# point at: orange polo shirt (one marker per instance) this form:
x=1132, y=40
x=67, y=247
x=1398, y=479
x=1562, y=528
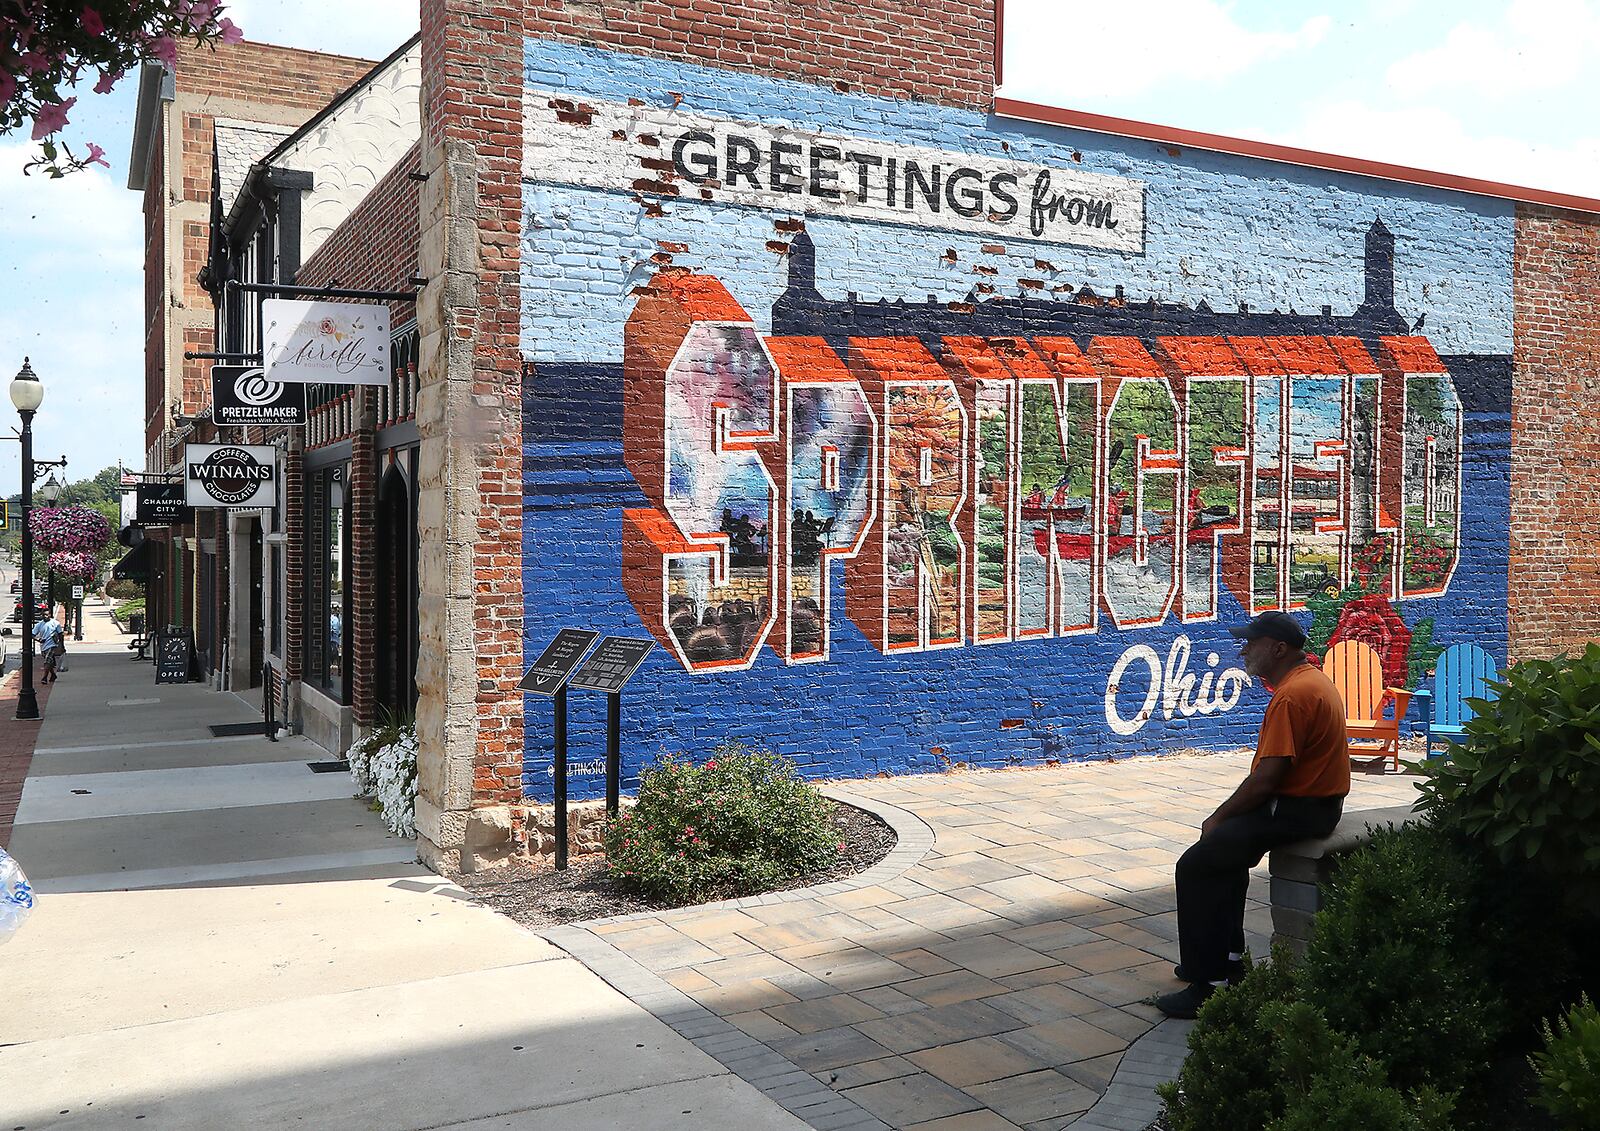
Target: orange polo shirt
x=1305, y=723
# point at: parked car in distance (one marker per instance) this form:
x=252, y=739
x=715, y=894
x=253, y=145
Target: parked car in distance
x=41, y=610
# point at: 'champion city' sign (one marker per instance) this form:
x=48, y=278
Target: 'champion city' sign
x=231, y=475
x=697, y=156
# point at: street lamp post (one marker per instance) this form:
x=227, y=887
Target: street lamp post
x=27, y=393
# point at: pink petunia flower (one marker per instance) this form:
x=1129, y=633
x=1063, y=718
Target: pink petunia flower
x=165, y=49
x=97, y=156
x=92, y=23
x=51, y=117
x=231, y=32
x=8, y=86
x=108, y=79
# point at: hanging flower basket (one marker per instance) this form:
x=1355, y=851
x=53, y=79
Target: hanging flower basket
x=69, y=528
x=74, y=565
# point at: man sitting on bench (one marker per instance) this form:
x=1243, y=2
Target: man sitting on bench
x=1295, y=790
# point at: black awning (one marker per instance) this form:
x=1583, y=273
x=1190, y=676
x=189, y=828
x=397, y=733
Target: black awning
x=135, y=564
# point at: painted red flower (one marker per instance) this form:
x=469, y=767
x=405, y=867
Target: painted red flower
x=1372, y=620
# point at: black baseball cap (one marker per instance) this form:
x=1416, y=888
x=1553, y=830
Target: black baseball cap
x=1274, y=623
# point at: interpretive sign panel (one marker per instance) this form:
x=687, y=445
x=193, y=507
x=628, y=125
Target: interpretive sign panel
x=550, y=671
x=612, y=664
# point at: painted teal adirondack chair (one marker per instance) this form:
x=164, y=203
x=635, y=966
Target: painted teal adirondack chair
x=1463, y=672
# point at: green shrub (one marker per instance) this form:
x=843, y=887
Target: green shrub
x=124, y=590
x=1532, y=933
x=1330, y=1086
x=125, y=609
x=741, y=823
x=1395, y=962
x=1526, y=783
x=1227, y=1079
x=1569, y=1067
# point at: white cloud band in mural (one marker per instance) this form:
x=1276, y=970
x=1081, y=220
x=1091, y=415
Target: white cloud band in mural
x=697, y=156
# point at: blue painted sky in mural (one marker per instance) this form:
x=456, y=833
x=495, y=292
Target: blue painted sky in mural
x=1301, y=247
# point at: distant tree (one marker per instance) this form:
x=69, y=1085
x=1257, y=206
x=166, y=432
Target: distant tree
x=47, y=46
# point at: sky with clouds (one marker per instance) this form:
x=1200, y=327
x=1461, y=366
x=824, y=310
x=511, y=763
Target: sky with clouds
x=1501, y=89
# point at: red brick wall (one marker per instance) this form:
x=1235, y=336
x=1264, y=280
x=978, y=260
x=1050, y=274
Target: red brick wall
x=931, y=50
x=155, y=327
x=1555, y=449
x=263, y=72
x=374, y=249
x=472, y=104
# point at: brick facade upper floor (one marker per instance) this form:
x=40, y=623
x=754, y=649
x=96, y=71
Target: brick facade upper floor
x=929, y=50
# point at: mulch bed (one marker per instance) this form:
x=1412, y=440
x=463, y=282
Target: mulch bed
x=549, y=898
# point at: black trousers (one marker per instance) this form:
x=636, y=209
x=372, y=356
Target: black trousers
x=1213, y=877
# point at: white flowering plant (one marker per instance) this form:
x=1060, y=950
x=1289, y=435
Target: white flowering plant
x=383, y=765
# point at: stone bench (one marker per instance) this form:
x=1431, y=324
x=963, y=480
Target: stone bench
x=1299, y=870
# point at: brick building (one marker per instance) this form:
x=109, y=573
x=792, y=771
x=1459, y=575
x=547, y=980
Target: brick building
x=197, y=130
x=918, y=426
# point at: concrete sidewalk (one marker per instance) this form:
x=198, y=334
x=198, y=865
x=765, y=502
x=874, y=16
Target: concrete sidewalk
x=225, y=938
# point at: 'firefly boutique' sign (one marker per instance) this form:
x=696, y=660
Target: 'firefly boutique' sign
x=697, y=156
x=333, y=343
x=231, y=475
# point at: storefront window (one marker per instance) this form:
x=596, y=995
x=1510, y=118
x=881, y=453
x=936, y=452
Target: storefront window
x=327, y=582
x=275, y=576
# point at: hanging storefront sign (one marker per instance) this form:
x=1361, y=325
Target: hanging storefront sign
x=231, y=475
x=333, y=343
x=161, y=504
x=242, y=394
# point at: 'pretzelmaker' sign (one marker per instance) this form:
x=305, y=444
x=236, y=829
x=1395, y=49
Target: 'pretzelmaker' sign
x=241, y=394
x=332, y=343
x=231, y=475
x=693, y=155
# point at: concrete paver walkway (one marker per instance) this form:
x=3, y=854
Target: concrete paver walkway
x=995, y=983
x=224, y=938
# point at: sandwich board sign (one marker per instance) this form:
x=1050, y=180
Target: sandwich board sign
x=174, y=656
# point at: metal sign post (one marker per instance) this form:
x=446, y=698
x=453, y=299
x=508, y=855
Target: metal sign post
x=610, y=666
x=559, y=785
x=548, y=676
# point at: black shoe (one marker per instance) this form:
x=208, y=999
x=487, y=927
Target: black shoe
x=1185, y=1004
x=1233, y=972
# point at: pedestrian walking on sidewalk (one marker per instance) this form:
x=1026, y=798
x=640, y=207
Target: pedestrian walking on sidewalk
x=1295, y=790
x=49, y=634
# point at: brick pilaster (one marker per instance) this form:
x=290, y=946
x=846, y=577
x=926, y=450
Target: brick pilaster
x=294, y=565
x=469, y=715
x=361, y=513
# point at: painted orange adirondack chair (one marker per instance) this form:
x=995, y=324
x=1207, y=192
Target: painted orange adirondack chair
x=1371, y=727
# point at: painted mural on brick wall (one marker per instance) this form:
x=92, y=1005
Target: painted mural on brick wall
x=914, y=444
